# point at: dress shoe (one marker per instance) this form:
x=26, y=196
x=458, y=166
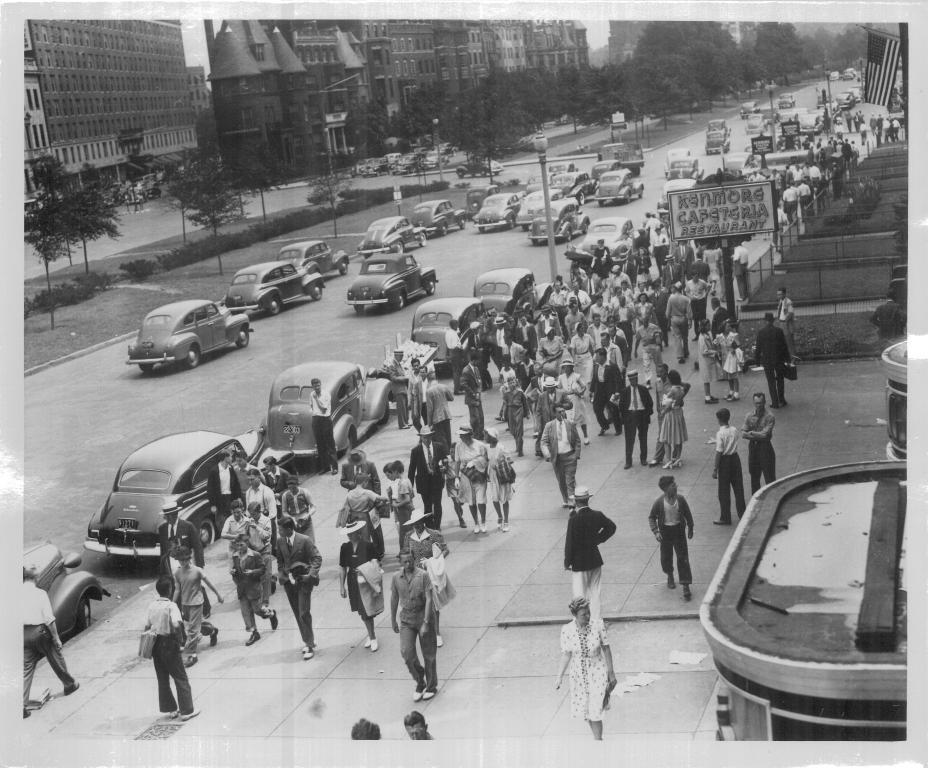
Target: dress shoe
x=190, y=661
x=783, y=402
x=476, y=528
x=273, y=618
x=417, y=695
x=308, y=654
x=374, y=645
x=334, y=472
x=483, y=527
x=26, y=713
x=775, y=406
x=687, y=595
x=367, y=642
x=586, y=440
x=601, y=432
x=190, y=715
x=461, y=523
x=214, y=637
x=710, y=400
x=627, y=466
x=428, y=695
x=721, y=522
x=255, y=637
x=69, y=689
x=671, y=584
x=644, y=463
x=438, y=641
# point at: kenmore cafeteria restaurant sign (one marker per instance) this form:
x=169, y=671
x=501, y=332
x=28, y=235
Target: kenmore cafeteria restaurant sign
x=732, y=209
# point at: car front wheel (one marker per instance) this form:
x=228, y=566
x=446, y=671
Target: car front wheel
x=206, y=533
x=242, y=339
x=442, y=230
x=84, y=616
x=192, y=358
x=428, y=286
x=581, y=198
x=343, y=267
x=399, y=301
x=273, y=305
x=315, y=292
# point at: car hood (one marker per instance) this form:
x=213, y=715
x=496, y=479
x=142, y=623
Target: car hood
x=681, y=173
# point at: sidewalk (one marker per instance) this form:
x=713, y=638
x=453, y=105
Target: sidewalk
x=500, y=652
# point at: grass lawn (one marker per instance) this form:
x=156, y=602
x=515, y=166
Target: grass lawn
x=817, y=335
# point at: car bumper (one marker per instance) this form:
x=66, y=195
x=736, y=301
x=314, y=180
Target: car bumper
x=609, y=198
x=243, y=308
x=365, y=302
x=371, y=251
x=491, y=224
x=151, y=360
x=93, y=545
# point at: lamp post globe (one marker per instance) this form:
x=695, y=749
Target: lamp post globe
x=540, y=142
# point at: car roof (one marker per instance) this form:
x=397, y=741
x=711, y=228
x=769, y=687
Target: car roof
x=265, y=266
x=397, y=260
x=327, y=371
x=615, y=174
x=618, y=221
x=680, y=152
x=430, y=203
x=502, y=197
x=175, y=452
x=503, y=275
x=385, y=222
x=303, y=244
x=179, y=308
x=453, y=305
x=561, y=202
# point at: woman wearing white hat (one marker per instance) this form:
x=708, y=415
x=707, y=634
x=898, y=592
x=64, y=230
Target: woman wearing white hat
x=470, y=462
x=422, y=543
x=499, y=488
x=570, y=382
x=354, y=554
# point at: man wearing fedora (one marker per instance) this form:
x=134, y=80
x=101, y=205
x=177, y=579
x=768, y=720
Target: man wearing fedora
x=560, y=444
x=635, y=407
x=471, y=384
x=358, y=471
x=544, y=408
x=425, y=472
x=173, y=534
x=586, y=530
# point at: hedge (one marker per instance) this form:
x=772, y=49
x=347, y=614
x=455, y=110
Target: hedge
x=74, y=291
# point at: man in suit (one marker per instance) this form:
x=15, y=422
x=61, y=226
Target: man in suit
x=298, y=564
x=222, y=486
x=399, y=386
x=471, y=384
x=605, y=382
x=719, y=317
x=275, y=478
x=560, y=444
x=174, y=533
x=635, y=409
x=425, y=473
x=358, y=471
x=772, y=352
x=437, y=412
x=586, y=530
x=415, y=393
x=684, y=254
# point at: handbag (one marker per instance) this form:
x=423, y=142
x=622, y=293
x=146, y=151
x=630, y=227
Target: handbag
x=473, y=474
x=790, y=371
x=147, y=643
x=505, y=472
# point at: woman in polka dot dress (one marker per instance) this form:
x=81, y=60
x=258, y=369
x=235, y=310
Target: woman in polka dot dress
x=585, y=651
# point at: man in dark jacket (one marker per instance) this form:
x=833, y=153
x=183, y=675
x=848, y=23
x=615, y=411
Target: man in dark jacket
x=173, y=534
x=298, y=564
x=605, y=382
x=425, y=473
x=359, y=471
x=719, y=316
x=222, y=486
x=635, y=406
x=586, y=530
x=772, y=352
x=669, y=514
x=471, y=384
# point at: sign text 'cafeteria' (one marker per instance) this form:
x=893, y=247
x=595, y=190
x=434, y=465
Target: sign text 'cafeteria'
x=732, y=209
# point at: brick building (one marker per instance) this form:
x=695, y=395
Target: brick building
x=197, y=90
x=506, y=45
x=553, y=45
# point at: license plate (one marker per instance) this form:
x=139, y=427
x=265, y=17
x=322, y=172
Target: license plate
x=291, y=429
x=128, y=524
x=148, y=345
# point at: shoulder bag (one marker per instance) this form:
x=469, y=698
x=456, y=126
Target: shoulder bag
x=147, y=643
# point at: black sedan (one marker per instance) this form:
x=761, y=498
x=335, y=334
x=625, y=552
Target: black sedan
x=436, y=217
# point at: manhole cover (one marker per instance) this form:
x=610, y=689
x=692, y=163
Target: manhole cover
x=159, y=731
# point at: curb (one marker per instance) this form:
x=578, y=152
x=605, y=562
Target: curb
x=541, y=621
x=79, y=353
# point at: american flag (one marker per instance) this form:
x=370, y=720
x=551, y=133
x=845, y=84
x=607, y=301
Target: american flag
x=882, y=62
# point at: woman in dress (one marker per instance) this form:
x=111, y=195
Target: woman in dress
x=570, y=383
x=732, y=358
x=550, y=352
x=355, y=553
x=708, y=356
x=586, y=654
x=360, y=504
x=581, y=351
x=422, y=542
x=673, y=427
x=470, y=466
x=499, y=491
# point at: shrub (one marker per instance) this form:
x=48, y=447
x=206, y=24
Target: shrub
x=139, y=269
x=97, y=281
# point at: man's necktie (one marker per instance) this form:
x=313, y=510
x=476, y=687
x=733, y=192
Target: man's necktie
x=635, y=398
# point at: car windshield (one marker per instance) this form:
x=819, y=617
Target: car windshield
x=434, y=318
x=682, y=164
x=501, y=289
x=495, y=202
x=716, y=125
x=243, y=279
x=145, y=480
x=602, y=228
x=377, y=268
x=612, y=177
x=157, y=321
x=563, y=179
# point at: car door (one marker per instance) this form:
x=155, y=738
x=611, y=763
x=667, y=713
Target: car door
x=206, y=325
x=412, y=276
x=322, y=256
x=290, y=283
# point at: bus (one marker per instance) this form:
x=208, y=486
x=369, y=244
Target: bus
x=806, y=614
x=630, y=155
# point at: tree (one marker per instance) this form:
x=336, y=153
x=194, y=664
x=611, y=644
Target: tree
x=89, y=215
x=257, y=169
x=44, y=223
x=204, y=194
x=778, y=51
x=327, y=188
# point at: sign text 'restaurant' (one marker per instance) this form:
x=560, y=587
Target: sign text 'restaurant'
x=728, y=210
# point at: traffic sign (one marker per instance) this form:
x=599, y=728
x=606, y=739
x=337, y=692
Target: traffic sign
x=397, y=193
x=618, y=120
x=761, y=145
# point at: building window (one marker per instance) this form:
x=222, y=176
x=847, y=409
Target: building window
x=257, y=51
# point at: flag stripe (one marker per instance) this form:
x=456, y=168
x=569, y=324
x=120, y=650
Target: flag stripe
x=882, y=63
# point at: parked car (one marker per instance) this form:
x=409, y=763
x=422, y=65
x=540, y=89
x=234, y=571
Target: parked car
x=184, y=331
x=478, y=167
x=567, y=218
x=576, y=184
x=674, y=185
x=810, y=123
x=436, y=217
x=755, y=125
x=612, y=229
x=684, y=168
x=498, y=211
x=367, y=169
x=390, y=279
x=69, y=590
x=736, y=162
x=533, y=204
x=849, y=74
x=475, y=197
x=603, y=166
x=393, y=233
x=618, y=187
x=834, y=76
x=749, y=108
x=174, y=469
x=408, y=164
x=508, y=289
x=719, y=125
x=681, y=153
x=717, y=143
x=846, y=100
x=559, y=167
x=786, y=101
x=317, y=253
x=431, y=319
x=359, y=404
x=271, y=286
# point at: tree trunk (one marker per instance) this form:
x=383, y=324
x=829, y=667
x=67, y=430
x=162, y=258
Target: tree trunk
x=334, y=221
x=86, y=263
x=219, y=257
x=70, y=262
x=263, y=212
x=183, y=223
x=51, y=299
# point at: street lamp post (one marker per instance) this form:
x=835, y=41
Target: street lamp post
x=441, y=176
x=540, y=143
x=773, y=116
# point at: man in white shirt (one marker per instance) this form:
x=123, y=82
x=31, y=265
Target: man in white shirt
x=739, y=260
x=560, y=444
x=260, y=530
x=321, y=403
x=455, y=354
x=785, y=318
x=40, y=637
x=728, y=468
x=257, y=492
